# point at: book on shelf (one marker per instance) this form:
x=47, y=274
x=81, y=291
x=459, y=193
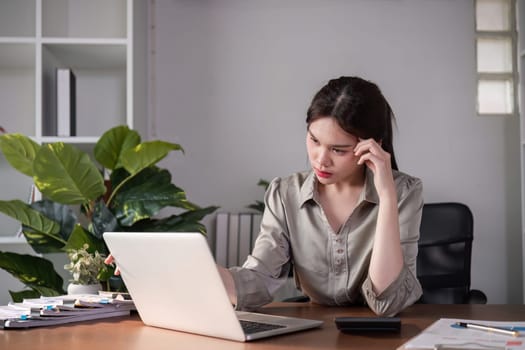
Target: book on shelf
x=52, y=311
x=65, y=102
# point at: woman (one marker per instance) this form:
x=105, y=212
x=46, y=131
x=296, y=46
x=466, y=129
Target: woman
x=348, y=227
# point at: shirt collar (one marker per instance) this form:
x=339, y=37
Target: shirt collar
x=309, y=189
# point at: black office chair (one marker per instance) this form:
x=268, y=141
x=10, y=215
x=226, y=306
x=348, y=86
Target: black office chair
x=445, y=250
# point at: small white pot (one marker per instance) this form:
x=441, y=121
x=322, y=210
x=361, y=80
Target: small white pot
x=75, y=289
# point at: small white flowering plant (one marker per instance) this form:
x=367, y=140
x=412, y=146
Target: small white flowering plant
x=84, y=266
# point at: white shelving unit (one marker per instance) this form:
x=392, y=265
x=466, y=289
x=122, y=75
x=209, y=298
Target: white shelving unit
x=520, y=10
x=102, y=41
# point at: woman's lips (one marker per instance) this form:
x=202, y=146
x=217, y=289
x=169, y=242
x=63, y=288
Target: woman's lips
x=322, y=174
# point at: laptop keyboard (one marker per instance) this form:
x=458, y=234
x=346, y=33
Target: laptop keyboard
x=251, y=327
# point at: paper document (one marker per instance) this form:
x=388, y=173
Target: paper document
x=51, y=311
x=445, y=334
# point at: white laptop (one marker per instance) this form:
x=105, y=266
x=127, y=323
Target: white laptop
x=174, y=282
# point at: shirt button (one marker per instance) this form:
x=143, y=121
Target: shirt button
x=340, y=251
x=338, y=261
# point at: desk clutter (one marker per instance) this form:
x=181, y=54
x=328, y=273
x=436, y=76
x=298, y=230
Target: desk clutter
x=449, y=333
x=51, y=311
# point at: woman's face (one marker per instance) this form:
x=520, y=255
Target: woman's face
x=331, y=151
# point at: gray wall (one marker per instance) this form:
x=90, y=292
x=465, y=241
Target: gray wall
x=232, y=80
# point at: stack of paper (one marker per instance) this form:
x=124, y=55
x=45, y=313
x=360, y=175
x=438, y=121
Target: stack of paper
x=446, y=334
x=49, y=311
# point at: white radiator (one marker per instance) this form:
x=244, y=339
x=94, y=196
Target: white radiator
x=235, y=235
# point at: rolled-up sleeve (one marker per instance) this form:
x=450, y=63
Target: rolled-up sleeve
x=405, y=290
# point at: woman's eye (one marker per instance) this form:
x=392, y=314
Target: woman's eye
x=339, y=151
x=314, y=140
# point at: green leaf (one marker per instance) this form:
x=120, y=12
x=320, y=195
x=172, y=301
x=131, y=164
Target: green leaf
x=198, y=214
x=44, y=241
x=67, y=175
x=103, y=220
x=20, y=151
x=258, y=205
x=35, y=272
x=80, y=236
x=117, y=176
x=62, y=214
x=146, y=154
x=105, y=273
x=263, y=183
x=112, y=143
x=19, y=297
x=35, y=292
x=145, y=195
x=173, y=223
x=185, y=222
x=29, y=216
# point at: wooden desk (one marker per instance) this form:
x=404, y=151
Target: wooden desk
x=130, y=333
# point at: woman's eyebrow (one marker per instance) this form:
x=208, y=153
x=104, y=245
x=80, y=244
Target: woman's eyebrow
x=335, y=145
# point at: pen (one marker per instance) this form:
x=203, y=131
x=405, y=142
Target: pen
x=487, y=328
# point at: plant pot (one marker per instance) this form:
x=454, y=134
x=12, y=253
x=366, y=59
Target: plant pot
x=75, y=289
x=116, y=284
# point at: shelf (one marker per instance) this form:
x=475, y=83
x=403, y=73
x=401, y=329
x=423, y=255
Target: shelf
x=97, y=39
x=87, y=54
x=17, y=40
x=12, y=240
x=17, y=87
x=16, y=56
x=75, y=18
x=86, y=140
x=100, y=72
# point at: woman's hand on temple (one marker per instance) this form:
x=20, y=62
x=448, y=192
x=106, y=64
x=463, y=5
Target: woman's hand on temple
x=376, y=159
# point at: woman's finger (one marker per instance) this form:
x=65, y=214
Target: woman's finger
x=368, y=145
x=110, y=260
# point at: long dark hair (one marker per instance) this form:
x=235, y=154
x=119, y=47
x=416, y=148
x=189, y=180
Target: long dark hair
x=359, y=108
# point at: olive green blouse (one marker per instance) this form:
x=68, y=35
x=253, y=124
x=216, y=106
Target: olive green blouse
x=329, y=267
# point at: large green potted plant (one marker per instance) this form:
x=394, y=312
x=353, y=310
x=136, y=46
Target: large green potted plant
x=78, y=205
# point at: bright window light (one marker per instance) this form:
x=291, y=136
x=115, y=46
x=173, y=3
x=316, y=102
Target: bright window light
x=496, y=54
x=495, y=97
x=493, y=15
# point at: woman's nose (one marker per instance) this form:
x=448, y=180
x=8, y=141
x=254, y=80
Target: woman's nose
x=322, y=158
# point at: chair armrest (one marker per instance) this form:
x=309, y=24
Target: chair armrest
x=476, y=296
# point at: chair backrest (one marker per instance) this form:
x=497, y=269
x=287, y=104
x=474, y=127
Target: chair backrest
x=445, y=250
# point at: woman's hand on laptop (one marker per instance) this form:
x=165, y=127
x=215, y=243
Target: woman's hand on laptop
x=109, y=261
